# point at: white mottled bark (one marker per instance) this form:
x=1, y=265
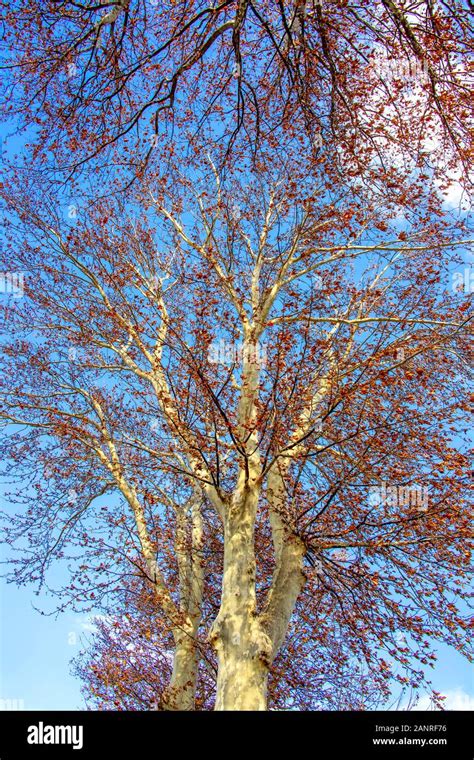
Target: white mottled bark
x=180, y=693
x=242, y=680
x=243, y=649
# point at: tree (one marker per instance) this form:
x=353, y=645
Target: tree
x=306, y=375
x=130, y=75
x=334, y=130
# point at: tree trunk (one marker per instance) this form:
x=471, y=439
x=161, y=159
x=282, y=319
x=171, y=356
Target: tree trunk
x=180, y=693
x=242, y=678
x=243, y=649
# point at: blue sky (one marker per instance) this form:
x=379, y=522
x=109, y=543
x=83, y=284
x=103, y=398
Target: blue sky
x=36, y=652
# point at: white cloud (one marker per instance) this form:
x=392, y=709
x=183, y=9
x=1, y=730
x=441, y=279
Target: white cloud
x=456, y=699
x=89, y=623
